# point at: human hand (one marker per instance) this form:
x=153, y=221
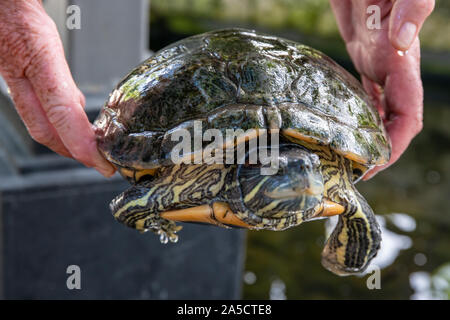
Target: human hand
x=391, y=78
x=33, y=65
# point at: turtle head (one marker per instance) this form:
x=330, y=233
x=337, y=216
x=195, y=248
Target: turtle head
x=298, y=174
x=295, y=187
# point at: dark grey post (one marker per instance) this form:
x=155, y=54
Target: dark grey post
x=112, y=39
x=54, y=212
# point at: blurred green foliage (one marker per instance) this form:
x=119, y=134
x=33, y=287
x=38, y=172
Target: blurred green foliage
x=310, y=17
x=313, y=16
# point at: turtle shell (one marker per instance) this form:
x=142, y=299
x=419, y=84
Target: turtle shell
x=238, y=79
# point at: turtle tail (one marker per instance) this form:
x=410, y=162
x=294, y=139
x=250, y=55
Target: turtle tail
x=355, y=240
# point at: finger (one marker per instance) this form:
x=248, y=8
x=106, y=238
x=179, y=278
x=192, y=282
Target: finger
x=61, y=101
x=375, y=93
x=405, y=118
x=82, y=98
x=343, y=12
x=407, y=18
x=401, y=130
x=31, y=112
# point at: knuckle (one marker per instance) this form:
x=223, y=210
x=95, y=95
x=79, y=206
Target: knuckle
x=59, y=116
x=17, y=47
x=21, y=60
x=12, y=51
x=41, y=136
x=425, y=6
x=23, y=45
x=33, y=61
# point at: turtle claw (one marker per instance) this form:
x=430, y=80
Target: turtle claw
x=164, y=237
x=166, y=230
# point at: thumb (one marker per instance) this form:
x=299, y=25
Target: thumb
x=406, y=20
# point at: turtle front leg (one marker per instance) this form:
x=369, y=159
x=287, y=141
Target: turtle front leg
x=175, y=189
x=355, y=240
x=139, y=207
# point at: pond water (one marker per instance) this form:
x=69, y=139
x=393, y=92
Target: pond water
x=411, y=198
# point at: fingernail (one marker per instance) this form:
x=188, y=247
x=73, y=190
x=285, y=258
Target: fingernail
x=406, y=35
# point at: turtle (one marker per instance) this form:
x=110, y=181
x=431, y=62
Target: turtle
x=326, y=136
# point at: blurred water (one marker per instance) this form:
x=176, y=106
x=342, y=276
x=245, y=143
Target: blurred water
x=414, y=257
x=411, y=198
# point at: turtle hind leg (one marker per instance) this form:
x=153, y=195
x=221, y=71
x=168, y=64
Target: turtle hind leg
x=355, y=240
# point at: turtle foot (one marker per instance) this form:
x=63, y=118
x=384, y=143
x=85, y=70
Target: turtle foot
x=166, y=230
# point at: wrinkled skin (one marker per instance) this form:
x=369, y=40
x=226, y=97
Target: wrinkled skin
x=33, y=64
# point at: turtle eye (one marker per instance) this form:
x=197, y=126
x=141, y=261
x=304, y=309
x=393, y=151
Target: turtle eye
x=304, y=165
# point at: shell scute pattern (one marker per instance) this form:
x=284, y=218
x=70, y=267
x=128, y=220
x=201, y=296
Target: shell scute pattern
x=207, y=77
